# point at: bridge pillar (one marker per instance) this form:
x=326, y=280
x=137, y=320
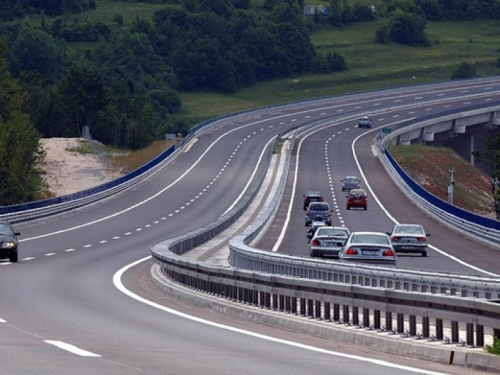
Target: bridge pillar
x=495, y=119
x=458, y=129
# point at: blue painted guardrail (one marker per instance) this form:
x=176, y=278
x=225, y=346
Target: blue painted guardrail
x=88, y=192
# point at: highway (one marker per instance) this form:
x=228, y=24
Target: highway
x=64, y=309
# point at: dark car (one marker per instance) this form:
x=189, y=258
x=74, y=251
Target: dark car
x=8, y=242
x=357, y=198
x=364, y=122
x=312, y=196
x=318, y=209
x=409, y=238
x=349, y=183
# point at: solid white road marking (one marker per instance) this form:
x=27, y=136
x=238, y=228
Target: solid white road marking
x=119, y=285
x=71, y=348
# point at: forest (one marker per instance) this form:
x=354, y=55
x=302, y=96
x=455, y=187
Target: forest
x=121, y=80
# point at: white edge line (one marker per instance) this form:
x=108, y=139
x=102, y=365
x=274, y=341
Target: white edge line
x=119, y=285
x=442, y=252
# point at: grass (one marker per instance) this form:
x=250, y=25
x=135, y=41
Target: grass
x=82, y=148
x=430, y=167
x=129, y=161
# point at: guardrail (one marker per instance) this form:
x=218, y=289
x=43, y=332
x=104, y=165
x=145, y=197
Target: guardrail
x=477, y=226
x=379, y=309
x=246, y=257
x=34, y=210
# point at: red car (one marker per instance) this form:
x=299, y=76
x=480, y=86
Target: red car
x=357, y=198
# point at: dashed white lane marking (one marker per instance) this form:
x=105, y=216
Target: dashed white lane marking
x=71, y=348
x=28, y=258
x=49, y=254
x=2, y=321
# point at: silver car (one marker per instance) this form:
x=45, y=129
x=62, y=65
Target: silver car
x=364, y=122
x=350, y=182
x=409, y=238
x=328, y=241
x=368, y=247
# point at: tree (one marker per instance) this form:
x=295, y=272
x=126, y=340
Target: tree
x=408, y=28
x=490, y=157
x=84, y=94
x=35, y=49
x=463, y=71
x=20, y=151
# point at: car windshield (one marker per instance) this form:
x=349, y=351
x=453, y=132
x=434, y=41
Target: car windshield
x=5, y=229
x=332, y=232
x=357, y=195
x=409, y=230
x=318, y=207
x=370, y=239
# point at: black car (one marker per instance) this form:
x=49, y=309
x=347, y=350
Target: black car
x=8, y=242
x=312, y=196
x=318, y=210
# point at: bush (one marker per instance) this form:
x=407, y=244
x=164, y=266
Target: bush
x=495, y=348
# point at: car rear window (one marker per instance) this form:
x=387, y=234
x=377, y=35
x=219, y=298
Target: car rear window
x=332, y=232
x=319, y=207
x=409, y=230
x=370, y=239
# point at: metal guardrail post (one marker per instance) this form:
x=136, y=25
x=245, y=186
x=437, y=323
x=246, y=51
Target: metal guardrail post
x=469, y=334
x=328, y=312
x=366, y=317
x=413, y=325
x=400, y=323
x=376, y=319
x=439, y=329
x=425, y=327
x=388, y=320
x=302, y=307
x=355, y=315
x=479, y=335
x=294, y=305
x=454, y=332
x=317, y=309
x=345, y=314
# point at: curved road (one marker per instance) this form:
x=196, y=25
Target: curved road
x=63, y=309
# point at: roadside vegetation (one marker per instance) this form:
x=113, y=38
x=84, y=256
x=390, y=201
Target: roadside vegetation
x=129, y=71
x=430, y=167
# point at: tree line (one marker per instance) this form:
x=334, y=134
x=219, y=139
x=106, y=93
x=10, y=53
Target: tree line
x=122, y=80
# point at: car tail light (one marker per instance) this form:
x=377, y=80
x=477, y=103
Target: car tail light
x=388, y=253
x=315, y=243
x=421, y=239
x=321, y=199
x=395, y=238
x=308, y=212
x=351, y=252
x=329, y=212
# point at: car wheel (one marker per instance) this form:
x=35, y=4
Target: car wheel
x=13, y=257
x=365, y=208
x=348, y=207
x=424, y=254
x=307, y=224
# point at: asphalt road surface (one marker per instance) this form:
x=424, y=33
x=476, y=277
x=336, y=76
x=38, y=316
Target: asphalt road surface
x=66, y=309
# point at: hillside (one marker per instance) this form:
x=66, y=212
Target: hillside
x=430, y=167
